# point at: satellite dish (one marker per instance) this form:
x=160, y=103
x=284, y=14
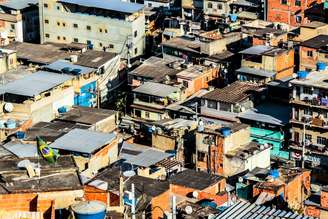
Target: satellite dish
x=188, y=209
x=129, y=173
x=8, y=107
x=195, y=194
x=23, y=164
x=240, y=179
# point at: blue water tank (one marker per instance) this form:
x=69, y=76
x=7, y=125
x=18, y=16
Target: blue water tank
x=11, y=124
x=302, y=74
x=225, y=131
x=274, y=173
x=62, y=109
x=20, y=135
x=89, y=210
x=321, y=66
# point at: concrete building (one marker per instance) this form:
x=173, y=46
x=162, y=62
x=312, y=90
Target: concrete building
x=19, y=21
x=217, y=9
x=100, y=120
x=151, y=99
x=8, y=60
x=194, y=47
x=92, y=150
x=102, y=25
x=314, y=51
x=63, y=188
x=269, y=125
x=228, y=150
x=158, y=3
x=38, y=96
x=317, y=204
x=197, y=77
x=311, y=30
x=262, y=64
x=227, y=103
x=309, y=120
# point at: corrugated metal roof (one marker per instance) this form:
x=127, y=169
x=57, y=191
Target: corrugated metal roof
x=113, y=5
x=140, y=155
x=257, y=50
x=21, y=150
x=246, y=210
x=156, y=89
x=35, y=83
x=68, y=68
x=272, y=113
x=255, y=71
x=18, y=4
x=83, y=141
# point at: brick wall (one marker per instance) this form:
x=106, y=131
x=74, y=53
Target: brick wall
x=324, y=199
x=285, y=13
x=27, y=202
x=163, y=201
x=312, y=211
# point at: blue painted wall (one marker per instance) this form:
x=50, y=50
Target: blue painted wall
x=87, y=94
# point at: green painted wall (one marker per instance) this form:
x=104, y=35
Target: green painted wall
x=272, y=137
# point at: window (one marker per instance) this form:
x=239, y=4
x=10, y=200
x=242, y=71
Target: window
x=64, y=24
x=212, y=104
x=58, y=23
x=136, y=51
x=307, y=90
x=298, y=19
x=298, y=3
x=150, y=5
x=47, y=35
x=76, y=40
x=135, y=33
x=58, y=8
x=106, y=31
x=100, y=44
x=88, y=27
x=75, y=26
x=201, y=156
x=308, y=112
x=321, y=140
x=12, y=26
x=46, y=21
x=309, y=53
x=45, y=5
x=283, y=2
x=308, y=137
x=111, y=46
x=296, y=137
x=209, y=5
x=147, y=114
x=100, y=30
x=89, y=42
x=64, y=38
x=219, y=6
x=58, y=37
x=185, y=83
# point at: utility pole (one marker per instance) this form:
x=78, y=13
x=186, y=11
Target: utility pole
x=133, y=202
x=174, y=207
x=303, y=146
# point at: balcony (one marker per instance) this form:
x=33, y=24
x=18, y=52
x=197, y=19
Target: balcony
x=318, y=102
x=312, y=148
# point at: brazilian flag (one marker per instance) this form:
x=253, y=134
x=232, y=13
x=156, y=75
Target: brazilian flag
x=46, y=152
